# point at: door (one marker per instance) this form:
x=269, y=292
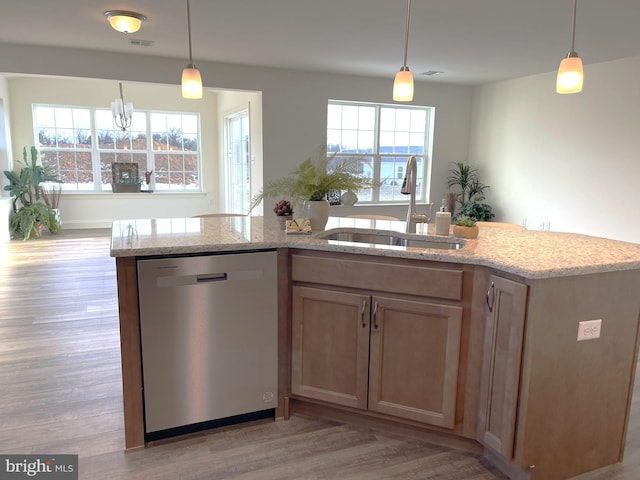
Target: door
x=238, y=178
x=506, y=303
x=415, y=349
x=330, y=346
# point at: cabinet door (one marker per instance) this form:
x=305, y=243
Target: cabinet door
x=330, y=346
x=415, y=349
x=506, y=304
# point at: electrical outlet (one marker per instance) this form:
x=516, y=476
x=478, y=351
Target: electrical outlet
x=547, y=225
x=589, y=329
x=523, y=221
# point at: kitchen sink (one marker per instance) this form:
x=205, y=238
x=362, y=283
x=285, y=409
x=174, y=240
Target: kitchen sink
x=396, y=239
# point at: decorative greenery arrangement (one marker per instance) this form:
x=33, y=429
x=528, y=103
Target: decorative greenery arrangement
x=25, y=187
x=465, y=227
x=471, y=195
x=283, y=208
x=30, y=213
x=314, y=179
x=477, y=209
x=127, y=185
x=31, y=218
x=130, y=181
x=465, y=221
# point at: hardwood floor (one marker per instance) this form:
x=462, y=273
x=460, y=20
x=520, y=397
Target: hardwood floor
x=61, y=393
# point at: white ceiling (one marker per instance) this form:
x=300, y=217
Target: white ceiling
x=472, y=41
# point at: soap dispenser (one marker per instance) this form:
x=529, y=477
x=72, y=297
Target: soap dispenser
x=443, y=220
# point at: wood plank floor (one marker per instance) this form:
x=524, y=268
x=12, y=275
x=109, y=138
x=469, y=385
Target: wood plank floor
x=61, y=393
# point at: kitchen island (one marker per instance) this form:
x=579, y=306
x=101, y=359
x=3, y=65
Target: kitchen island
x=496, y=321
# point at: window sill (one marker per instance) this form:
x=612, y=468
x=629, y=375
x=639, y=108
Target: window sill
x=141, y=194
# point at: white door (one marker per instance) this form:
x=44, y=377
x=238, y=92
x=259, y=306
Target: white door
x=238, y=163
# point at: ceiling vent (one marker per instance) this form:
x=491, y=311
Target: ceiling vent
x=136, y=42
x=431, y=73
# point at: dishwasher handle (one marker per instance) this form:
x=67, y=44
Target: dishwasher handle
x=211, y=277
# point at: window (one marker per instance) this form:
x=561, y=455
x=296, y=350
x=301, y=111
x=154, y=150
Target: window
x=82, y=143
x=381, y=138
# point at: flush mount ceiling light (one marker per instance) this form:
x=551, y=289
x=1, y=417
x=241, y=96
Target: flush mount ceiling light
x=570, y=74
x=122, y=112
x=191, y=79
x=124, y=21
x=403, y=83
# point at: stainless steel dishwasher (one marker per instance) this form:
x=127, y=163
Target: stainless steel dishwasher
x=209, y=340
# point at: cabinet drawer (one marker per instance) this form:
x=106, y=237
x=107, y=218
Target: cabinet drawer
x=411, y=279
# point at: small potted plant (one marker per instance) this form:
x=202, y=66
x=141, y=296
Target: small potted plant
x=465, y=227
x=284, y=212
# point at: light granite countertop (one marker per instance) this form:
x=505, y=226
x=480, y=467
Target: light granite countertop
x=527, y=253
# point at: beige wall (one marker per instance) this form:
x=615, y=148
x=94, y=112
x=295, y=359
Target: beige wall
x=294, y=103
x=571, y=160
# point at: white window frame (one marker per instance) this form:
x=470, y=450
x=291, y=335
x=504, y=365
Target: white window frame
x=424, y=159
x=95, y=151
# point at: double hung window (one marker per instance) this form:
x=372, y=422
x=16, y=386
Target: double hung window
x=81, y=143
x=381, y=138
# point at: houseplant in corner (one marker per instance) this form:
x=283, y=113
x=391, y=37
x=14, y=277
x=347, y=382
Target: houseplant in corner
x=465, y=227
x=312, y=181
x=471, y=195
x=30, y=214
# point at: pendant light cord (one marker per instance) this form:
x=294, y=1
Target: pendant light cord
x=573, y=27
x=189, y=29
x=406, y=38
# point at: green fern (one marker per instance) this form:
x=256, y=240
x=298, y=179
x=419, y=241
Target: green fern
x=315, y=178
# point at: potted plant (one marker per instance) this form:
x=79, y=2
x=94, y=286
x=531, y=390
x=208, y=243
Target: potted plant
x=30, y=214
x=476, y=208
x=312, y=181
x=471, y=193
x=465, y=227
x=284, y=212
x=30, y=220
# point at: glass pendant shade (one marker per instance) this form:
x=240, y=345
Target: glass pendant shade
x=403, y=86
x=191, y=82
x=570, y=75
x=125, y=22
x=191, y=79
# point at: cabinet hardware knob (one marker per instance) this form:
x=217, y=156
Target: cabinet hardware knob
x=491, y=296
x=362, y=310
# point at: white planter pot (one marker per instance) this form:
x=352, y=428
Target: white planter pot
x=318, y=213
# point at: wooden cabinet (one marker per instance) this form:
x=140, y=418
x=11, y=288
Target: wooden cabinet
x=544, y=391
x=330, y=346
x=413, y=371
x=374, y=351
x=506, y=308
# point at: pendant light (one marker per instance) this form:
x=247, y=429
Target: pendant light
x=570, y=74
x=122, y=112
x=191, y=80
x=124, y=21
x=403, y=83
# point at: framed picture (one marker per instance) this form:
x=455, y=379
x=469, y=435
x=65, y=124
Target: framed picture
x=124, y=172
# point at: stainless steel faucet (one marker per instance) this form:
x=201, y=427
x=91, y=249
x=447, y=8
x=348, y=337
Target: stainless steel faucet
x=409, y=188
